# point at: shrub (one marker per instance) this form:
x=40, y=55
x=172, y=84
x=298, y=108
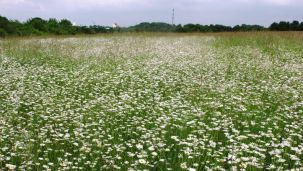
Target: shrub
x=3, y=33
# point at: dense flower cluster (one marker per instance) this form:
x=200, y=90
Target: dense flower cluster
x=148, y=103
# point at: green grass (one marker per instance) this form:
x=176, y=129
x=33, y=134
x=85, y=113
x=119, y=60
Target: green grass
x=152, y=101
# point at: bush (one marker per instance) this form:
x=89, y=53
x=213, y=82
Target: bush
x=3, y=33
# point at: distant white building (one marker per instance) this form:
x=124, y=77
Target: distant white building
x=115, y=25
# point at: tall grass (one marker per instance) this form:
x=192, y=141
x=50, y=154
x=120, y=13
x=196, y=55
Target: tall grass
x=226, y=101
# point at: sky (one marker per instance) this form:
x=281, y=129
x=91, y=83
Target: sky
x=131, y=12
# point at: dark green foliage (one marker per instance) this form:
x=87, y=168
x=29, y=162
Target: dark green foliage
x=274, y=26
x=100, y=29
x=3, y=22
x=53, y=26
x=220, y=28
x=195, y=28
x=286, y=26
x=245, y=27
x=66, y=27
x=217, y=28
x=295, y=25
x=93, y=29
x=2, y=33
x=152, y=27
x=179, y=28
x=8, y=26
x=39, y=26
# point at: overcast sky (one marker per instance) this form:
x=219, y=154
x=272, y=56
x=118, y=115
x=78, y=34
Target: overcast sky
x=130, y=12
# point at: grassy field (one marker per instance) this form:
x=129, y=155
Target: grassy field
x=231, y=101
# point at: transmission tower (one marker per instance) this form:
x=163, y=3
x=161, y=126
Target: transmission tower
x=173, y=17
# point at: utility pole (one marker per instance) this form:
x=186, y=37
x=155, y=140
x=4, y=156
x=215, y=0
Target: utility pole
x=173, y=18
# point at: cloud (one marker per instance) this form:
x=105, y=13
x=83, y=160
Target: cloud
x=129, y=12
x=85, y=4
x=74, y=4
x=283, y=2
x=272, y=2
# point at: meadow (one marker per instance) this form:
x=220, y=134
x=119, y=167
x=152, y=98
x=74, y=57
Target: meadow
x=225, y=101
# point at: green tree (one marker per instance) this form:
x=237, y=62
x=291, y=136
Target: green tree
x=3, y=22
x=38, y=24
x=301, y=26
x=295, y=26
x=66, y=27
x=3, y=33
x=274, y=27
x=53, y=26
x=179, y=28
x=7, y=25
x=284, y=26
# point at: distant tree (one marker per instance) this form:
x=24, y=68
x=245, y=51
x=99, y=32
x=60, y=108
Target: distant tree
x=11, y=28
x=237, y=28
x=38, y=24
x=220, y=28
x=3, y=33
x=66, y=23
x=66, y=27
x=301, y=26
x=100, y=29
x=86, y=30
x=53, y=26
x=190, y=28
x=179, y=28
x=7, y=26
x=3, y=22
x=295, y=26
x=284, y=26
x=152, y=27
x=25, y=30
x=245, y=27
x=274, y=26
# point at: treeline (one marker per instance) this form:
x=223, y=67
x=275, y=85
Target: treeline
x=188, y=28
x=151, y=27
x=286, y=26
x=217, y=28
x=39, y=26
